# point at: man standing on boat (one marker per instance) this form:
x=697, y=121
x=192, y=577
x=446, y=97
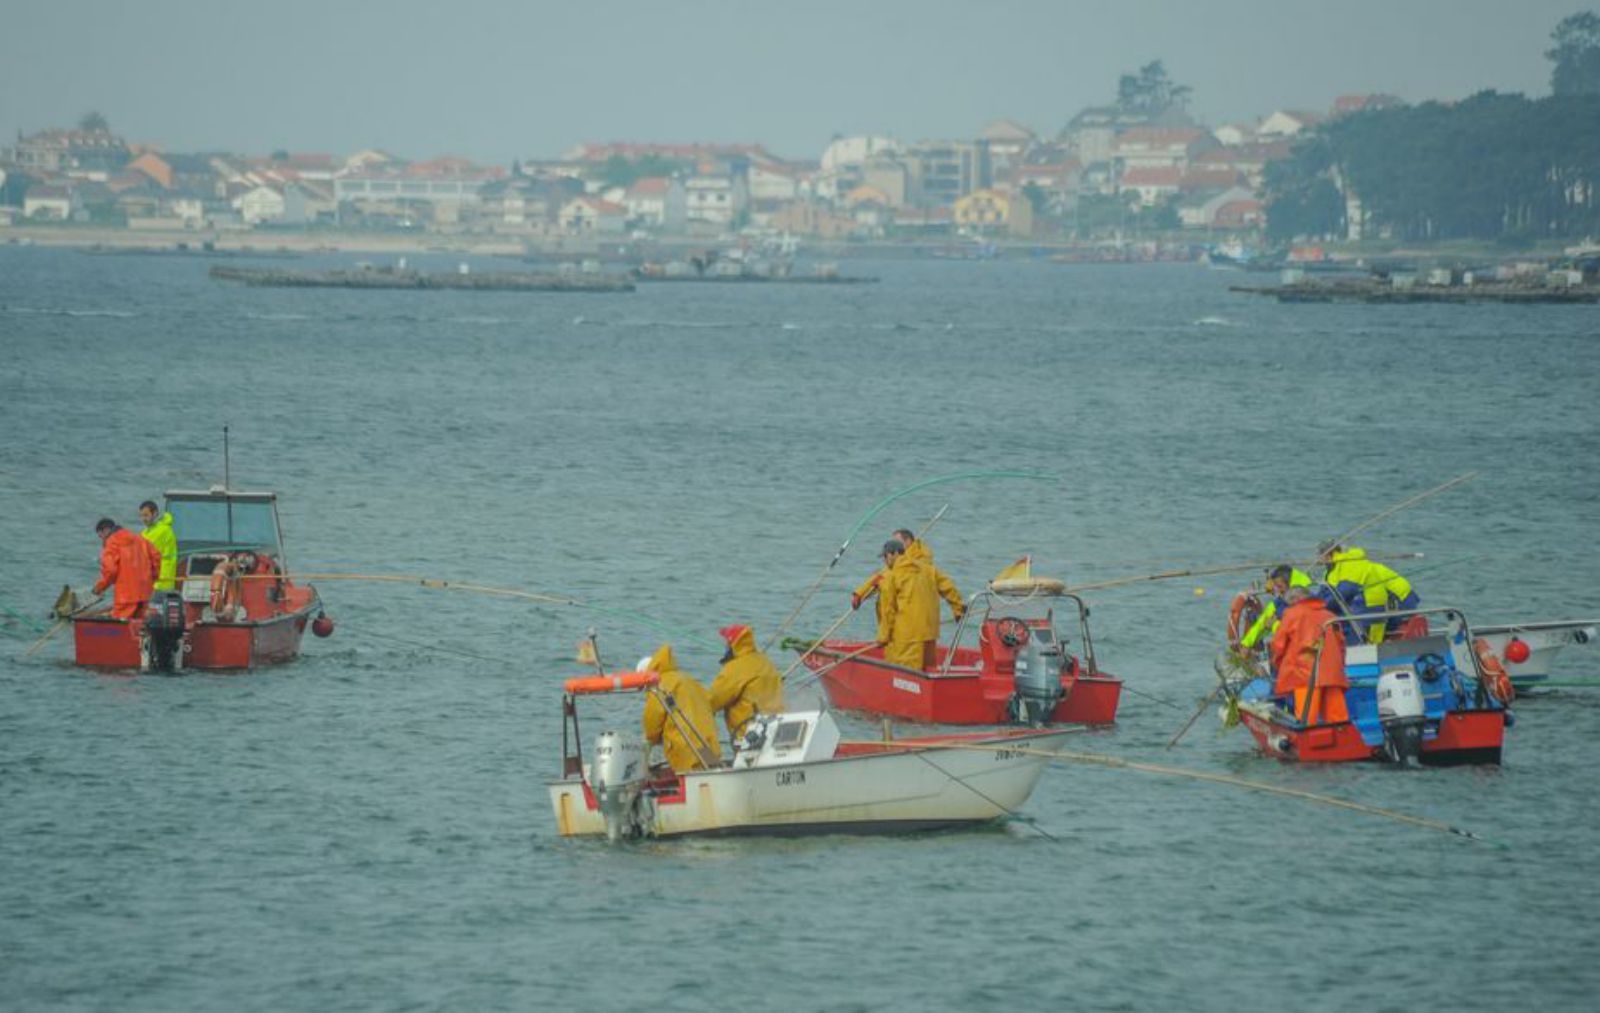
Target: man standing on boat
x=908, y=609
x=688, y=733
x=1367, y=588
x=1279, y=580
x=918, y=549
x=129, y=565
x=1306, y=627
x=748, y=683
x=158, y=532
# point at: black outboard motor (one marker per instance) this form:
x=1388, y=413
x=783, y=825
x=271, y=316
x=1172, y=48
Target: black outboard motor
x=1038, y=687
x=161, y=646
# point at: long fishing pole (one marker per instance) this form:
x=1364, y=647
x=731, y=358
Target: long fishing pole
x=1402, y=505
x=61, y=621
x=879, y=507
x=1209, y=571
x=1114, y=762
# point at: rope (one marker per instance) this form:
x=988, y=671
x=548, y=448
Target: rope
x=1098, y=759
x=505, y=592
x=33, y=625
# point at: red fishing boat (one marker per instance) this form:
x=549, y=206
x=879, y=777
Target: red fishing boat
x=1435, y=694
x=1021, y=671
x=235, y=605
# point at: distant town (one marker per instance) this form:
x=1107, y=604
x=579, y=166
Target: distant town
x=1138, y=166
x=1136, y=173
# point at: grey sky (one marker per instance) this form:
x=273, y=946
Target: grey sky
x=494, y=81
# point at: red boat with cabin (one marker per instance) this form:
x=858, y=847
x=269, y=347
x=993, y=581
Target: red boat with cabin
x=235, y=606
x=1021, y=671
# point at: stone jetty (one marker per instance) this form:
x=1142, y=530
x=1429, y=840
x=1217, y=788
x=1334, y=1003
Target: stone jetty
x=392, y=278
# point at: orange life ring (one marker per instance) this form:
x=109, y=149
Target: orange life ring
x=1236, y=624
x=617, y=682
x=1494, y=673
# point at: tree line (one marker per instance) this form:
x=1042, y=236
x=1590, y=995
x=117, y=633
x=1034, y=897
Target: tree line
x=1497, y=167
x=1492, y=167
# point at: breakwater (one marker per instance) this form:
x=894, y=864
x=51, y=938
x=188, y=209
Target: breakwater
x=387, y=278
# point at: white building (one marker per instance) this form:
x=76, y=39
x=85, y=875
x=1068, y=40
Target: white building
x=588, y=215
x=716, y=199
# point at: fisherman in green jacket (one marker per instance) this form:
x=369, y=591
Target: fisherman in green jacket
x=158, y=532
x=1279, y=580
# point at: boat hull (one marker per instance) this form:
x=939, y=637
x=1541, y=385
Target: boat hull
x=863, y=788
x=103, y=642
x=1458, y=738
x=963, y=696
x=1545, y=643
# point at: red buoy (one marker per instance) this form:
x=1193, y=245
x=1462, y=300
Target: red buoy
x=1517, y=651
x=322, y=626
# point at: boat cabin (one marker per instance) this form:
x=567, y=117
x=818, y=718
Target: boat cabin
x=218, y=525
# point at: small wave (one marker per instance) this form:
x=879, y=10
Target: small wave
x=55, y=311
x=1213, y=322
x=276, y=316
x=790, y=327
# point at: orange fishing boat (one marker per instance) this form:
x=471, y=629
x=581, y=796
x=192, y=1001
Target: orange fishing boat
x=235, y=605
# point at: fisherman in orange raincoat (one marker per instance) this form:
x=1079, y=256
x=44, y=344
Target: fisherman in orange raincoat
x=129, y=565
x=1306, y=625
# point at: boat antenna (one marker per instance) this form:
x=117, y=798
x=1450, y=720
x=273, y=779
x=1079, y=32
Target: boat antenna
x=227, y=480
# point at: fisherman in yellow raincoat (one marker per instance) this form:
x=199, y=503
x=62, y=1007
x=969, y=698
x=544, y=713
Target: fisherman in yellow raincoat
x=688, y=736
x=908, y=609
x=748, y=683
x=917, y=548
x=158, y=532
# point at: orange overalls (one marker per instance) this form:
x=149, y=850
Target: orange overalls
x=1294, y=647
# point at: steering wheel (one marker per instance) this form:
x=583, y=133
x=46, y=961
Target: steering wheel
x=1431, y=667
x=1013, y=632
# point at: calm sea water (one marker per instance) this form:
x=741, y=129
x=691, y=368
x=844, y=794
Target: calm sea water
x=368, y=828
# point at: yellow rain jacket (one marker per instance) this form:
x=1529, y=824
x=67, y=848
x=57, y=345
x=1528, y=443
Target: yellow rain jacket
x=908, y=611
x=688, y=737
x=161, y=535
x=1351, y=570
x=941, y=581
x=748, y=684
x=1266, y=623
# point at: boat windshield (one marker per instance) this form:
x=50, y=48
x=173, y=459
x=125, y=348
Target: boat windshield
x=209, y=523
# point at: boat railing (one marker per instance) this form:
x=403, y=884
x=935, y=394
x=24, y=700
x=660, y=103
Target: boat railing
x=990, y=599
x=1444, y=612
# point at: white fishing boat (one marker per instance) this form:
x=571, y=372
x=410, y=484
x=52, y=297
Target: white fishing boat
x=791, y=774
x=1529, y=650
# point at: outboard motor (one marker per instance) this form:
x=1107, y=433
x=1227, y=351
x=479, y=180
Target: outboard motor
x=1038, y=687
x=1400, y=711
x=161, y=644
x=617, y=778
